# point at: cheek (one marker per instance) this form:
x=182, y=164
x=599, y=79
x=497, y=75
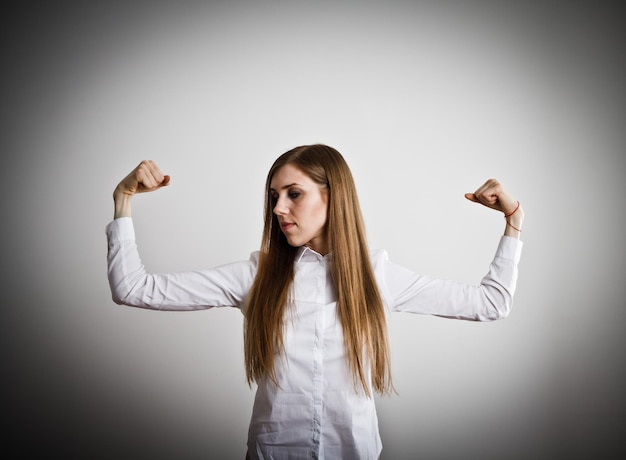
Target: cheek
x=322, y=214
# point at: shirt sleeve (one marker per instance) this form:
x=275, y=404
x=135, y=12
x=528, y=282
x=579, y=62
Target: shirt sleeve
x=490, y=300
x=222, y=286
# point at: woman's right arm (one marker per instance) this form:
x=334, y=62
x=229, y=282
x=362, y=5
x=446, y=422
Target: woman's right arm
x=131, y=285
x=146, y=177
x=224, y=286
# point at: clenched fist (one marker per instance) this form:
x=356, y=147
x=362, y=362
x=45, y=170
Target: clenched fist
x=146, y=177
x=494, y=196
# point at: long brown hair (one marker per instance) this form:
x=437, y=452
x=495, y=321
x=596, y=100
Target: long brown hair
x=359, y=304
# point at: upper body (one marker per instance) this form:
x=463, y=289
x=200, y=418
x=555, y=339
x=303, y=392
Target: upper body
x=311, y=403
x=315, y=384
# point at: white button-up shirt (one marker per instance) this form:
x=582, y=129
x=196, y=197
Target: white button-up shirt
x=316, y=412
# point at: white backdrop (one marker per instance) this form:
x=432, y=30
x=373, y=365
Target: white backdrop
x=426, y=100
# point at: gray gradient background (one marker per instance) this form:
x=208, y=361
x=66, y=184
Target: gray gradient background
x=426, y=100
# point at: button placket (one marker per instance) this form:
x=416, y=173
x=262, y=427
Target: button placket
x=318, y=355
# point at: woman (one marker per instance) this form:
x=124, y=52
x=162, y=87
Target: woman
x=315, y=302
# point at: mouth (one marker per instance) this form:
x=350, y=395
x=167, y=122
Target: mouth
x=286, y=226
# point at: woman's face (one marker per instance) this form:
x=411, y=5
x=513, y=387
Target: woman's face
x=301, y=207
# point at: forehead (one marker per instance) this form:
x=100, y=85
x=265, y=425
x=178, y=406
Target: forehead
x=289, y=175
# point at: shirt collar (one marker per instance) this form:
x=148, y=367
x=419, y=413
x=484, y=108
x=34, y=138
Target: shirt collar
x=306, y=254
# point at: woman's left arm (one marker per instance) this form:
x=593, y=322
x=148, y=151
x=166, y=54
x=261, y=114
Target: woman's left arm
x=490, y=300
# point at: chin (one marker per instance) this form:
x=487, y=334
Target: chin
x=294, y=243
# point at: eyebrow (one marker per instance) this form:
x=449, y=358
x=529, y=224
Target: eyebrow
x=284, y=186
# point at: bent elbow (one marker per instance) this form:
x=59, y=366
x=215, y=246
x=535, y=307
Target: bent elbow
x=121, y=294
x=501, y=313
x=117, y=298
x=129, y=290
x=497, y=308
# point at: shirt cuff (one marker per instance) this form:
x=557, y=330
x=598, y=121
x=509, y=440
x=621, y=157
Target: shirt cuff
x=120, y=229
x=510, y=248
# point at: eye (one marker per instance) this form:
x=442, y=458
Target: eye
x=293, y=194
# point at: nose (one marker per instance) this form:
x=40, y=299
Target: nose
x=280, y=209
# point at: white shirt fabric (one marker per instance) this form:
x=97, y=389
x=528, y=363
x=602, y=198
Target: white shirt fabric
x=316, y=412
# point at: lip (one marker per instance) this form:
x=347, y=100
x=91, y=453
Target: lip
x=287, y=225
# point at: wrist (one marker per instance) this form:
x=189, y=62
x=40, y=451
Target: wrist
x=514, y=221
x=121, y=204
